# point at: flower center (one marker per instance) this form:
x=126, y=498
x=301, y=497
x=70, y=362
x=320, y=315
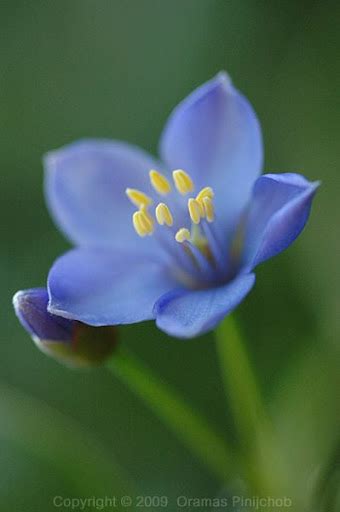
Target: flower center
x=193, y=230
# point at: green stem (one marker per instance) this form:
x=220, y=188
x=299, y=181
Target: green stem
x=264, y=465
x=257, y=448
x=239, y=381
x=192, y=429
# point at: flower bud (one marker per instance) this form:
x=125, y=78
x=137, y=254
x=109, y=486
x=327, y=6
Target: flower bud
x=68, y=341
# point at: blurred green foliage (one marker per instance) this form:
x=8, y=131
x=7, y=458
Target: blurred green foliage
x=115, y=69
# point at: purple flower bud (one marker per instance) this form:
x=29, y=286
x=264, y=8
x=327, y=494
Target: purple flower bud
x=70, y=342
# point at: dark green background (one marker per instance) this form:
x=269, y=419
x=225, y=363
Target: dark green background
x=115, y=69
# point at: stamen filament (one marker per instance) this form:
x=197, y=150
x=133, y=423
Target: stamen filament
x=183, y=182
x=163, y=215
x=159, y=183
x=214, y=246
x=199, y=259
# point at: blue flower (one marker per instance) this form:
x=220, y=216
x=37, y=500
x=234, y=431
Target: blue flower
x=68, y=341
x=175, y=240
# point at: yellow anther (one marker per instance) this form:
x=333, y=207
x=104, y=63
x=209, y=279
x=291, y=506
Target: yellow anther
x=138, y=198
x=182, y=235
x=159, y=183
x=147, y=216
x=137, y=224
x=163, y=215
x=205, y=192
x=183, y=182
x=144, y=210
x=143, y=223
x=194, y=210
x=209, y=209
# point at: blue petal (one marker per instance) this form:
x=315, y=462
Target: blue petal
x=31, y=309
x=278, y=211
x=189, y=314
x=105, y=287
x=215, y=136
x=85, y=190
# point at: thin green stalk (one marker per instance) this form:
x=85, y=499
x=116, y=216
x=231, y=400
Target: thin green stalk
x=259, y=455
x=192, y=429
x=239, y=381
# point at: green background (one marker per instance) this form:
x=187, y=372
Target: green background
x=115, y=69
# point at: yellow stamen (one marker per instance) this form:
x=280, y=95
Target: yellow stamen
x=137, y=224
x=146, y=214
x=143, y=223
x=209, y=209
x=183, y=182
x=159, y=183
x=205, y=192
x=163, y=215
x=182, y=235
x=194, y=210
x=138, y=198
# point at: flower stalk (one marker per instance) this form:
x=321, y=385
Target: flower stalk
x=262, y=463
x=188, y=425
x=244, y=400
x=239, y=381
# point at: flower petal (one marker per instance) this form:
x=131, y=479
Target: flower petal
x=105, y=287
x=215, y=136
x=278, y=211
x=85, y=190
x=189, y=314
